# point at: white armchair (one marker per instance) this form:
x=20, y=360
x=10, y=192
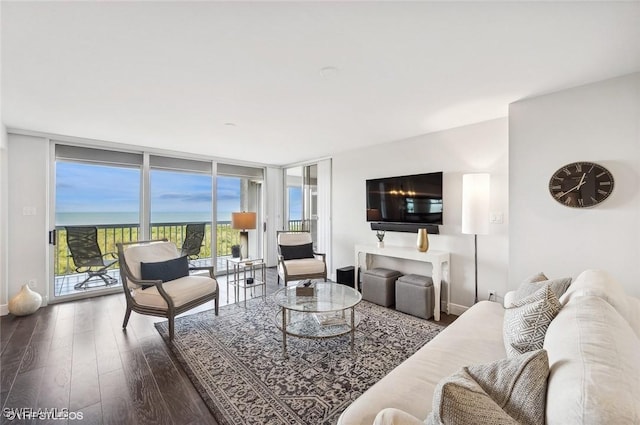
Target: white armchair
x=296, y=258
x=157, y=281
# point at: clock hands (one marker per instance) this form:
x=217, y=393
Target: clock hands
x=576, y=187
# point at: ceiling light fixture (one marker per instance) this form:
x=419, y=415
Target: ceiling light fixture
x=328, y=72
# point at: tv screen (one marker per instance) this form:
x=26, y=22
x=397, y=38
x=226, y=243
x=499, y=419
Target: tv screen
x=415, y=199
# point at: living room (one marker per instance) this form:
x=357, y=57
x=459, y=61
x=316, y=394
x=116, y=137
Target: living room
x=592, y=114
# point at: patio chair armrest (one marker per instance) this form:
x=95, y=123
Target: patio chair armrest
x=321, y=254
x=113, y=255
x=209, y=268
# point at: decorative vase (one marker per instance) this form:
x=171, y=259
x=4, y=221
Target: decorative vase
x=423, y=240
x=380, y=244
x=25, y=302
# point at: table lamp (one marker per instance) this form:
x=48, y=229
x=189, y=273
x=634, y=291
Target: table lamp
x=243, y=221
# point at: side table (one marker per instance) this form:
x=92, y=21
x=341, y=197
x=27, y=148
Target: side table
x=246, y=273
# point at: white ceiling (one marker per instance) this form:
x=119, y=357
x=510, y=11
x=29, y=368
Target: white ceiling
x=172, y=74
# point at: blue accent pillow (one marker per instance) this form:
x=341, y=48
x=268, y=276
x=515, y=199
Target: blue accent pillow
x=296, y=252
x=165, y=270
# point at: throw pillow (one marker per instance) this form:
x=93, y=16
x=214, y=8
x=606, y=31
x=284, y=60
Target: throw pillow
x=165, y=270
x=509, y=391
x=526, y=323
x=296, y=252
x=558, y=286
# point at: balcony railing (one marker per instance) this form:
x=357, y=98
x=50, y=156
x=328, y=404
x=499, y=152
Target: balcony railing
x=110, y=234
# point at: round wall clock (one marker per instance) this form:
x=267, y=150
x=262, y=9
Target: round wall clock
x=581, y=184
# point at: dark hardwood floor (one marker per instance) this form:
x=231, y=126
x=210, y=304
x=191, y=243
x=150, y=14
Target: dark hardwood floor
x=76, y=356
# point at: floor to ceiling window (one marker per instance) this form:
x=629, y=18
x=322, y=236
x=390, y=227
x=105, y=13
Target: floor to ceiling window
x=111, y=196
x=181, y=201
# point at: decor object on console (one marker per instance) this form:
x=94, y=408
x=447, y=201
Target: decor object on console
x=243, y=221
x=380, y=236
x=25, y=302
x=475, y=212
x=423, y=240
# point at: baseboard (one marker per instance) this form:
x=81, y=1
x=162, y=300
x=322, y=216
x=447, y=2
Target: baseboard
x=457, y=309
x=4, y=309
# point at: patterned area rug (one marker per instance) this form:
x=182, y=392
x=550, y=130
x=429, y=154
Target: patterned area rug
x=236, y=363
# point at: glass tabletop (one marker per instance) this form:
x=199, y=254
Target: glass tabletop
x=328, y=296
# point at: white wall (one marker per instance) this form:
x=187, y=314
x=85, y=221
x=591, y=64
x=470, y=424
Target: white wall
x=4, y=208
x=474, y=148
x=600, y=123
x=27, y=237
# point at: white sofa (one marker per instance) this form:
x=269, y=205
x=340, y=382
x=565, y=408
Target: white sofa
x=593, y=346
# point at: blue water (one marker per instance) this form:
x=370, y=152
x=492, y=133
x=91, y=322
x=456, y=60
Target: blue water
x=95, y=218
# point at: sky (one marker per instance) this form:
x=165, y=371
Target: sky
x=83, y=188
x=100, y=189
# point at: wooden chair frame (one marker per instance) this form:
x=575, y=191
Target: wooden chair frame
x=171, y=311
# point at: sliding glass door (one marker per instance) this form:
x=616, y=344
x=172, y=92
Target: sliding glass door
x=97, y=202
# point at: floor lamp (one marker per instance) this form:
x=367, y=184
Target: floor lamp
x=475, y=211
x=243, y=221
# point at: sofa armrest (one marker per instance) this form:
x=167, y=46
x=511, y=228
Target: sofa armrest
x=509, y=298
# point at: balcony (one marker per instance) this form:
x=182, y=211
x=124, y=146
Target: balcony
x=108, y=235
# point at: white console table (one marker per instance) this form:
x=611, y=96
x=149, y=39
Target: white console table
x=439, y=260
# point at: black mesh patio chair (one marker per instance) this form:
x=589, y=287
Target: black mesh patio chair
x=193, y=241
x=87, y=256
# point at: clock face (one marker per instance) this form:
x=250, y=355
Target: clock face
x=581, y=184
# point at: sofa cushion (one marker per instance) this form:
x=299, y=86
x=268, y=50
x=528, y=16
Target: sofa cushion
x=391, y=416
x=594, y=370
x=304, y=266
x=181, y=291
x=599, y=283
x=526, y=323
x=296, y=252
x=165, y=270
x=507, y=391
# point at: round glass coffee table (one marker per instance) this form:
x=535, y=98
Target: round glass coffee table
x=330, y=312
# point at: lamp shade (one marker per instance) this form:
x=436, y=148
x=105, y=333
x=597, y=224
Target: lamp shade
x=243, y=220
x=475, y=203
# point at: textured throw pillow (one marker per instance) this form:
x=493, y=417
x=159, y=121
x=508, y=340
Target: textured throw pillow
x=509, y=391
x=558, y=286
x=165, y=270
x=296, y=252
x=526, y=323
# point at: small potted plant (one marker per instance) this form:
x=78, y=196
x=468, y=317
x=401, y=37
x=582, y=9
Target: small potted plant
x=380, y=236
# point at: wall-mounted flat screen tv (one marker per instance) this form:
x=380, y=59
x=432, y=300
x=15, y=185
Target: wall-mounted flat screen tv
x=415, y=199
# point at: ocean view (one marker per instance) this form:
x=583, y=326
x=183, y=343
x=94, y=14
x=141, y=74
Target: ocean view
x=97, y=218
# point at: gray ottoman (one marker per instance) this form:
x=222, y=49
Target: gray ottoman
x=378, y=286
x=414, y=295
